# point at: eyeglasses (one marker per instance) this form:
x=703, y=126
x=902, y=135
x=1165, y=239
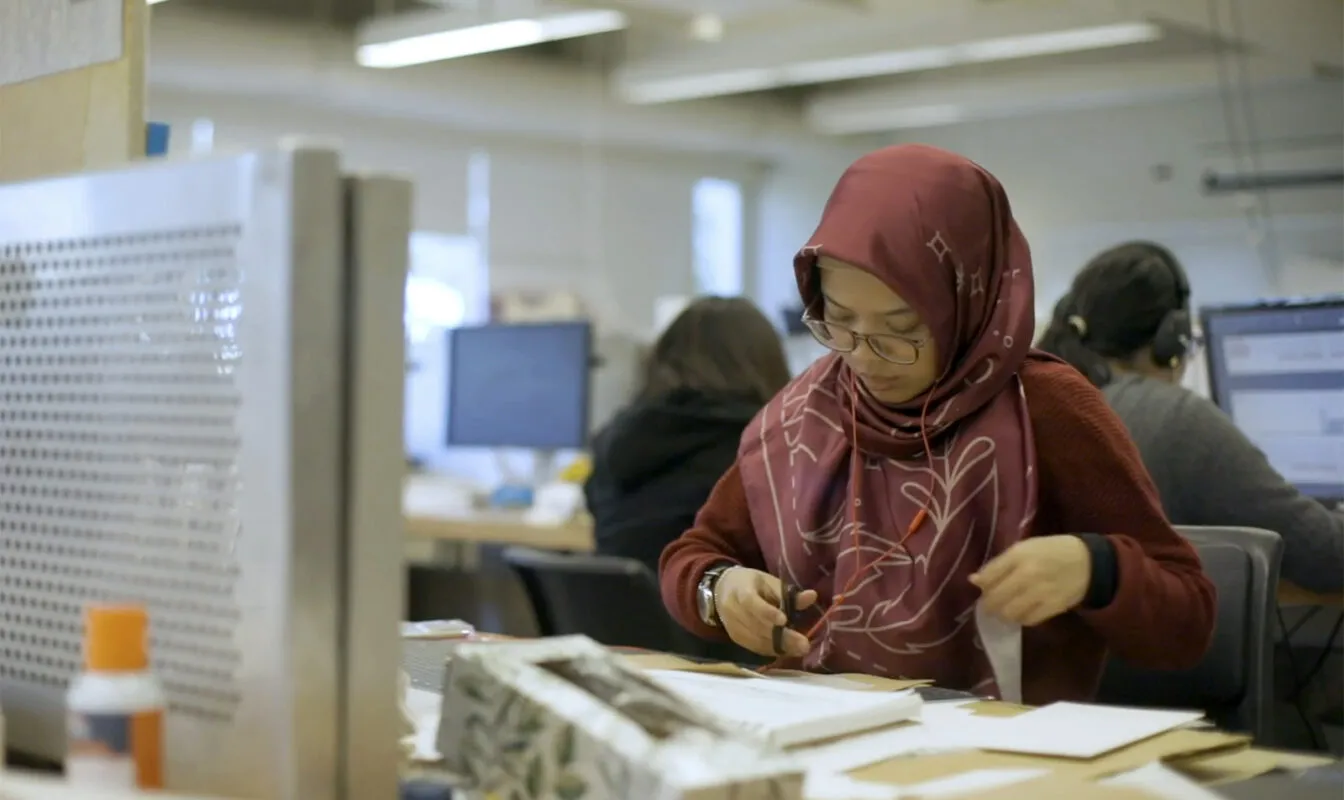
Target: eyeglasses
x=891, y=347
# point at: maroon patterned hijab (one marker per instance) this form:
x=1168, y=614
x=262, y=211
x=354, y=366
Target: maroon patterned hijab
x=937, y=229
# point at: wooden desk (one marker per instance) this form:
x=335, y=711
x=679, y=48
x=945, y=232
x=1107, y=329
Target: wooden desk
x=497, y=527
x=1290, y=595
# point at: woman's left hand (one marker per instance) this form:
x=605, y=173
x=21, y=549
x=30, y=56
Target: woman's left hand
x=1036, y=579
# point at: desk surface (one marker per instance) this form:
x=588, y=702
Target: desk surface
x=425, y=663
x=426, y=521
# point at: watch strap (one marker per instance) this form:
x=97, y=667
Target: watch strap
x=709, y=585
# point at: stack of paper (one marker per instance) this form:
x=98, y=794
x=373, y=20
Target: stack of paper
x=788, y=713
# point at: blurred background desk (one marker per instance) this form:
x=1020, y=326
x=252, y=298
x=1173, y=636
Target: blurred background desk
x=495, y=527
x=463, y=575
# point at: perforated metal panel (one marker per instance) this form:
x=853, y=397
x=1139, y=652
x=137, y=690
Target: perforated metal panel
x=171, y=397
x=119, y=452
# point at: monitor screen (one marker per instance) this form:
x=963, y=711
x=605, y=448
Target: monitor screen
x=1278, y=371
x=519, y=385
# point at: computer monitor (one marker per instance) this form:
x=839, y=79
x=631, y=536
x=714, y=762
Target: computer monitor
x=200, y=413
x=1278, y=370
x=524, y=386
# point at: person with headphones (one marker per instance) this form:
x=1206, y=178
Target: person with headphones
x=1125, y=324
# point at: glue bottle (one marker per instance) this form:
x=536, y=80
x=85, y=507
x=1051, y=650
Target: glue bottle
x=115, y=707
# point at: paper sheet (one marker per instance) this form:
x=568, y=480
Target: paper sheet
x=1003, y=646
x=977, y=780
x=1072, y=730
x=938, y=731
x=1161, y=782
x=423, y=709
x=788, y=712
x=838, y=786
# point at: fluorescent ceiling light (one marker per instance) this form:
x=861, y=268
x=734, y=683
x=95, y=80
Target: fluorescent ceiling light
x=1055, y=42
x=892, y=62
x=387, y=44
x=155, y=2
x=888, y=119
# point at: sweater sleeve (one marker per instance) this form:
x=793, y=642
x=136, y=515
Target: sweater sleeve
x=1226, y=480
x=722, y=534
x=1093, y=481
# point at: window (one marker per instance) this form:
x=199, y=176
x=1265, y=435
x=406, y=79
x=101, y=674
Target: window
x=446, y=284
x=449, y=281
x=202, y=136
x=716, y=218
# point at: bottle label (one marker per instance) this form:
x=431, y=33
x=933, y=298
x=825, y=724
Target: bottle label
x=115, y=750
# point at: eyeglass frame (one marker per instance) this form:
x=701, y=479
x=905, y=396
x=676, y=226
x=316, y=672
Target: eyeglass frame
x=812, y=322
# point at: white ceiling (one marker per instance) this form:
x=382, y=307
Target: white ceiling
x=1201, y=46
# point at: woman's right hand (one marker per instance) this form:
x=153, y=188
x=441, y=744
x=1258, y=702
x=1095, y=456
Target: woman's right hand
x=748, y=604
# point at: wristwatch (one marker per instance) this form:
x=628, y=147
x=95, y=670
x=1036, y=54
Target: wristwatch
x=704, y=594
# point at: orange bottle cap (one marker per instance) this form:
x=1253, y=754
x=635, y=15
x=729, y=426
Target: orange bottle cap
x=116, y=639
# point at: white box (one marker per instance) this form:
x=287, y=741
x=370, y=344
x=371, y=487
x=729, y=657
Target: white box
x=565, y=719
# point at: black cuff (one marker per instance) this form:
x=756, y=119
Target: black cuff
x=1105, y=581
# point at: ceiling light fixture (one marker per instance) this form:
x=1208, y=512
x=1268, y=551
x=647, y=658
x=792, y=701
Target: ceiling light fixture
x=687, y=86
x=707, y=27
x=868, y=120
x=404, y=40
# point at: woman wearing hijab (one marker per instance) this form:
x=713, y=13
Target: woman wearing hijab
x=933, y=462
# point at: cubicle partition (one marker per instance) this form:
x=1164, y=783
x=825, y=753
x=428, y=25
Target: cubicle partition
x=186, y=421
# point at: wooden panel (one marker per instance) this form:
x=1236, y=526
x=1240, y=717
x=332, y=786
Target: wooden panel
x=80, y=119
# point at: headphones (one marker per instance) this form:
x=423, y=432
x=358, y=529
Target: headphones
x=1172, y=341
x=1175, y=334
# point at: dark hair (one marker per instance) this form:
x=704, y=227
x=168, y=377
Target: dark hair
x=719, y=346
x=1115, y=307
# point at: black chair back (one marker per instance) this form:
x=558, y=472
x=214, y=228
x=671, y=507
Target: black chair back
x=1234, y=683
x=612, y=600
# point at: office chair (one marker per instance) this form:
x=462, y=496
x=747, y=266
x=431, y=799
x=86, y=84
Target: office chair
x=613, y=600
x=1234, y=684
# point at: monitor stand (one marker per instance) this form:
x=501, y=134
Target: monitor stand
x=514, y=493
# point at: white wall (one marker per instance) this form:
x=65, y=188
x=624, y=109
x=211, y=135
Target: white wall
x=1083, y=181
x=617, y=225
x=613, y=224
x=789, y=205
x=1080, y=182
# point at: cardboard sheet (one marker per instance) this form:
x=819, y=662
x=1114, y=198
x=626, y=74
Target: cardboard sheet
x=850, y=680
x=654, y=661
x=1244, y=764
x=1061, y=787
x=903, y=771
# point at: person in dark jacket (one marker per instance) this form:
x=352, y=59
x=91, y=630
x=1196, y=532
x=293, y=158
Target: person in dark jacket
x=654, y=464
x=1125, y=324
